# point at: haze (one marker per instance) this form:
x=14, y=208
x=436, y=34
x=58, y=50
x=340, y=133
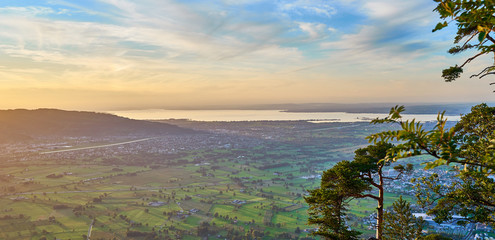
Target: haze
x=119, y=54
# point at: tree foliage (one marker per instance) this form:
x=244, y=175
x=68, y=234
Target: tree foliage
x=400, y=223
x=475, y=21
x=468, y=148
x=348, y=180
x=328, y=204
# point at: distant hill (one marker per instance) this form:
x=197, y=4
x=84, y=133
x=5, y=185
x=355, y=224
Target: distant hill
x=21, y=124
x=450, y=109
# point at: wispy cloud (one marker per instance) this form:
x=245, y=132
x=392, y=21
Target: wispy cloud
x=393, y=30
x=315, y=30
x=185, y=48
x=305, y=7
x=30, y=10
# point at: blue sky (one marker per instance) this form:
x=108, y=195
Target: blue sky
x=106, y=54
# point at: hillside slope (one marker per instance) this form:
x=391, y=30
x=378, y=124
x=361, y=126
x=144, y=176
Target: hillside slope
x=21, y=124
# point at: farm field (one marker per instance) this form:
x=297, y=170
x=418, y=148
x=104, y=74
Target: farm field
x=237, y=180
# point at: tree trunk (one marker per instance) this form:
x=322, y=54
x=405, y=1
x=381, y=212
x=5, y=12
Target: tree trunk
x=379, y=209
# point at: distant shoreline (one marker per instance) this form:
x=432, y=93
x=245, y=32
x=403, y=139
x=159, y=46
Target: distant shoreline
x=451, y=109
x=265, y=115
x=368, y=112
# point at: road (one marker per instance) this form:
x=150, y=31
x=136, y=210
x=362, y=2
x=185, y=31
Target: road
x=90, y=229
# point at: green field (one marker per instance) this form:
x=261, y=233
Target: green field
x=250, y=191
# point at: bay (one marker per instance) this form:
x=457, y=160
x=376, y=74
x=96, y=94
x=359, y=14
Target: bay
x=263, y=115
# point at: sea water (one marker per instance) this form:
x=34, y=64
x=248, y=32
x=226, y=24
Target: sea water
x=264, y=115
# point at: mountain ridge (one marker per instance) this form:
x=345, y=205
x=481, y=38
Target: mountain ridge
x=23, y=124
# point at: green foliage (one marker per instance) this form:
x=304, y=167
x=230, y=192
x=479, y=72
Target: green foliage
x=468, y=148
x=452, y=73
x=474, y=20
x=400, y=223
x=459, y=49
x=407, y=169
x=371, y=159
x=346, y=181
x=328, y=204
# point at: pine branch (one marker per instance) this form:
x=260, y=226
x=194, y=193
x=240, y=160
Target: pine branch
x=368, y=196
x=483, y=72
x=472, y=58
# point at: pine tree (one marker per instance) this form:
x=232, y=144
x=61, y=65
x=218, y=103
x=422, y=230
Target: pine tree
x=328, y=204
x=400, y=223
x=351, y=180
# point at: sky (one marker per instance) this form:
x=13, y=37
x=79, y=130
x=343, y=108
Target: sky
x=122, y=54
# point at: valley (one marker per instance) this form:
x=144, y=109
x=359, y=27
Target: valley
x=221, y=180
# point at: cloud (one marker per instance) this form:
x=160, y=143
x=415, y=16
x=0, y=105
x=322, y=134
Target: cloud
x=399, y=12
x=170, y=28
x=304, y=7
x=218, y=48
x=393, y=30
x=161, y=47
x=41, y=11
x=315, y=30
x=28, y=11
x=241, y=2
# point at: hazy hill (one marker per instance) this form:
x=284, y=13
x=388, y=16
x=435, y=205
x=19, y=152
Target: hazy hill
x=453, y=109
x=21, y=124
